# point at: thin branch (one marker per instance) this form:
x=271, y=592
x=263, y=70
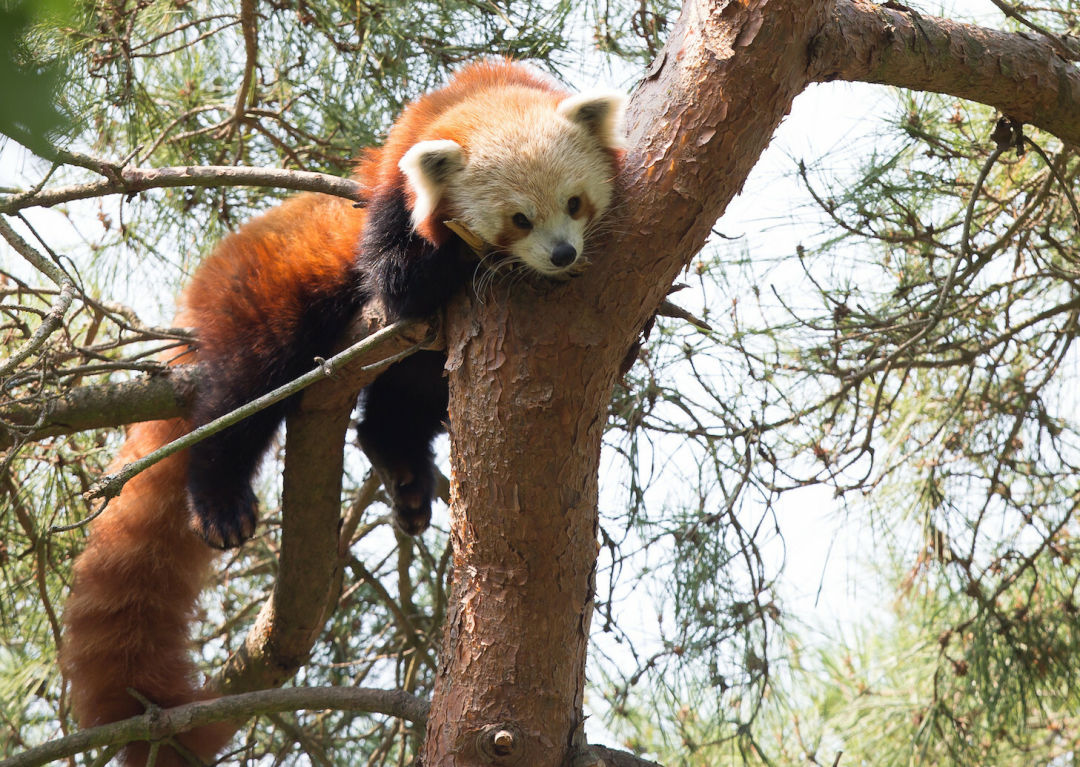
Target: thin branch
x=669, y=309
x=1056, y=41
x=49, y=324
x=157, y=724
x=110, y=485
x=55, y=316
x=248, y=19
x=152, y=397
x=404, y=623
x=132, y=180
x=24, y=249
x=1057, y=177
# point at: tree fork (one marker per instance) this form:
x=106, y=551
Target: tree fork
x=531, y=378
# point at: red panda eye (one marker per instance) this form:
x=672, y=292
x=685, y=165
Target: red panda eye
x=573, y=205
x=521, y=221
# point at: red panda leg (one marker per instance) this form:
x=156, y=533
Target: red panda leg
x=235, y=371
x=403, y=410
x=413, y=277
x=220, y=499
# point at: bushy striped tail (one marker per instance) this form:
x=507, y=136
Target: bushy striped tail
x=132, y=601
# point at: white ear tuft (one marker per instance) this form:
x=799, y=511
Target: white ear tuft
x=429, y=166
x=599, y=112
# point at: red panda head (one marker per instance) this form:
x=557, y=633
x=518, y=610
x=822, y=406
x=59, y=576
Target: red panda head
x=527, y=170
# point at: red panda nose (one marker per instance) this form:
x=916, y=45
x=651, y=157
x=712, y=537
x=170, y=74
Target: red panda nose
x=563, y=254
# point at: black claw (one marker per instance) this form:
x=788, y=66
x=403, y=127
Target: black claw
x=224, y=520
x=412, y=521
x=411, y=493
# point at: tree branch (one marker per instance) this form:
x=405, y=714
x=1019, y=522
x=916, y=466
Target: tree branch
x=602, y=756
x=24, y=249
x=248, y=20
x=1059, y=43
x=49, y=323
x=158, y=724
x=1025, y=78
x=312, y=558
x=110, y=485
x=149, y=398
x=132, y=180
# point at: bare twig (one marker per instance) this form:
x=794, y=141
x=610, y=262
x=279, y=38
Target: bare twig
x=24, y=249
x=158, y=724
x=248, y=19
x=133, y=180
x=669, y=309
x=49, y=324
x=55, y=316
x=1060, y=48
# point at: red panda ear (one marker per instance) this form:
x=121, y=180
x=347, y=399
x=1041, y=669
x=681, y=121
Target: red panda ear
x=429, y=166
x=598, y=112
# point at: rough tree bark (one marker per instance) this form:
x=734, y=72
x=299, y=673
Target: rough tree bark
x=531, y=373
x=1023, y=76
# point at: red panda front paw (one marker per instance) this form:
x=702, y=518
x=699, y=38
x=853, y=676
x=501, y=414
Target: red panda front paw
x=412, y=520
x=411, y=498
x=224, y=520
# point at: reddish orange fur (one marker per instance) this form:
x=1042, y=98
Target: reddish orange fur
x=136, y=585
x=308, y=239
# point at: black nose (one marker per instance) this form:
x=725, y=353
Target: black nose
x=563, y=254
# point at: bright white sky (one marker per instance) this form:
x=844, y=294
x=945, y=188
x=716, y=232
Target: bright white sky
x=828, y=578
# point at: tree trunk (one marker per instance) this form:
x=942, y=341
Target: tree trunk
x=528, y=406
x=531, y=372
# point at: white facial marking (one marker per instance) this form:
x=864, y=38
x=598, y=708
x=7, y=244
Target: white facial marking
x=534, y=166
x=530, y=161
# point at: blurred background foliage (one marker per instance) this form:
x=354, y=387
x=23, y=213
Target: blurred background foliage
x=31, y=71
x=899, y=359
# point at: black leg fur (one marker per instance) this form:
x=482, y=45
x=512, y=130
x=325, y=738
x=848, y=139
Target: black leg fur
x=405, y=407
x=222, y=466
x=413, y=277
x=403, y=410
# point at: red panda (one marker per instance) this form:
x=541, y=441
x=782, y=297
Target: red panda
x=522, y=164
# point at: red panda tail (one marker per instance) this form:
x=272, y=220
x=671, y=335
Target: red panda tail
x=133, y=597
